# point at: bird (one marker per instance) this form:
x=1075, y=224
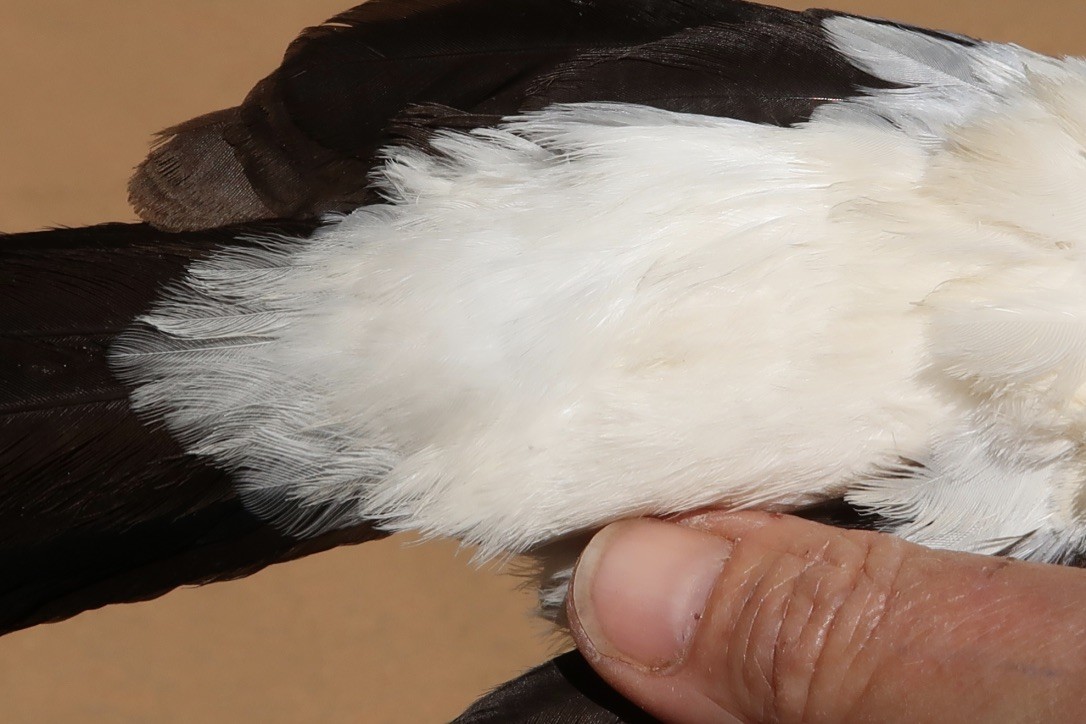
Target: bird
x=506, y=273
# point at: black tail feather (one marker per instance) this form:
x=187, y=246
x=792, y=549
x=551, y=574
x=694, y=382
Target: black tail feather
x=96, y=504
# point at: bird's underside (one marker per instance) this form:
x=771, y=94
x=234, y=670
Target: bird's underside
x=509, y=271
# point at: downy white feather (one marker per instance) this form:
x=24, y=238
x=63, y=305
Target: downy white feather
x=603, y=310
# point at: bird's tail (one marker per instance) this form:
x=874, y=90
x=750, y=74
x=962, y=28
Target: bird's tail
x=97, y=504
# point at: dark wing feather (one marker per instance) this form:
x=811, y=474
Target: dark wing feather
x=774, y=72
x=96, y=505
x=306, y=137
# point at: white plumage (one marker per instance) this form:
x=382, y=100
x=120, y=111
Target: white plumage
x=605, y=310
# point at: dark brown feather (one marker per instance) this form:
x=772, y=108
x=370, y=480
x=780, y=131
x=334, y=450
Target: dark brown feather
x=193, y=173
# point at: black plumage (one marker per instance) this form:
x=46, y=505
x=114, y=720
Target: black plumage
x=100, y=506
x=305, y=138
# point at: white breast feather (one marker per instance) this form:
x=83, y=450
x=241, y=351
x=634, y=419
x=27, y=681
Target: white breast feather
x=598, y=311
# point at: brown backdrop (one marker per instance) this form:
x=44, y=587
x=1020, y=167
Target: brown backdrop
x=378, y=633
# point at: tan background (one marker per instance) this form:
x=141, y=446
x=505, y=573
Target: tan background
x=378, y=633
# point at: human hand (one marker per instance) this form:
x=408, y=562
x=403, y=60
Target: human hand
x=752, y=617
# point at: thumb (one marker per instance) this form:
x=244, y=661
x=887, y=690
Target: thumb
x=754, y=617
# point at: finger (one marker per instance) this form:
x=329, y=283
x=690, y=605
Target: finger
x=755, y=617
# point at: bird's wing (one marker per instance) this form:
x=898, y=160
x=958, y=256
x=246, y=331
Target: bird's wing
x=306, y=137
x=99, y=505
